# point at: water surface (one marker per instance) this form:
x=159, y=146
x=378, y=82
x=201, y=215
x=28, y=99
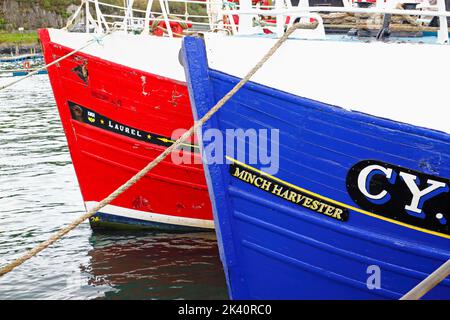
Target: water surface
x=39, y=194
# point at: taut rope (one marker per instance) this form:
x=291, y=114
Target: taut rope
x=428, y=283
x=57, y=60
x=75, y=15
x=31, y=253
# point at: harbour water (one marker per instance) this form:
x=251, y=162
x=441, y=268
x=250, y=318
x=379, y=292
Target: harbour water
x=39, y=194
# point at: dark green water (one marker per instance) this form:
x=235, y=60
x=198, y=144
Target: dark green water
x=39, y=194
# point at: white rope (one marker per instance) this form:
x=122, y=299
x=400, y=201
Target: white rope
x=428, y=283
x=72, y=18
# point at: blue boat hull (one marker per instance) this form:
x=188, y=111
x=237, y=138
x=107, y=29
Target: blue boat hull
x=271, y=246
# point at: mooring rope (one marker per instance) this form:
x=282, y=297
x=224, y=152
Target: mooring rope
x=428, y=283
x=36, y=71
x=75, y=15
x=59, y=234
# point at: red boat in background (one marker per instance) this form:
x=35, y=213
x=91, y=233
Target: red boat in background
x=120, y=101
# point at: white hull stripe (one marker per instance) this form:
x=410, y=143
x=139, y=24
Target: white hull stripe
x=152, y=217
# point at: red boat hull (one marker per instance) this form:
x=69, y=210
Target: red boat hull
x=117, y=118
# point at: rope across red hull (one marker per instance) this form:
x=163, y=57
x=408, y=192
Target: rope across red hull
x=116, y=120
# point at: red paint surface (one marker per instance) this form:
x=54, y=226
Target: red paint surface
x=103, y=160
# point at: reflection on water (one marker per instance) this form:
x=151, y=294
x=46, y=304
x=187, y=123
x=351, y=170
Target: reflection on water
x=158, y=266
x=39, y=194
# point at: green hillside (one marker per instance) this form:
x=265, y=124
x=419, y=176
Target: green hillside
x=18, y=38
x=31, y=15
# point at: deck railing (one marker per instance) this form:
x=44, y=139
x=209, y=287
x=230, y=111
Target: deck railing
x=245, y=16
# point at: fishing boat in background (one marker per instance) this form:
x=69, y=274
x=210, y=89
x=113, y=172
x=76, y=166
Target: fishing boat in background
x=21, y=65
x=358, y=206
x=21, y=58
x=19, y=72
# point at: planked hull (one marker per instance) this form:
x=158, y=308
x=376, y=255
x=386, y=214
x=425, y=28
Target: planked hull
x=307, y=231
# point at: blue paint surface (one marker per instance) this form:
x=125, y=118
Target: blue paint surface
x=274, y=249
